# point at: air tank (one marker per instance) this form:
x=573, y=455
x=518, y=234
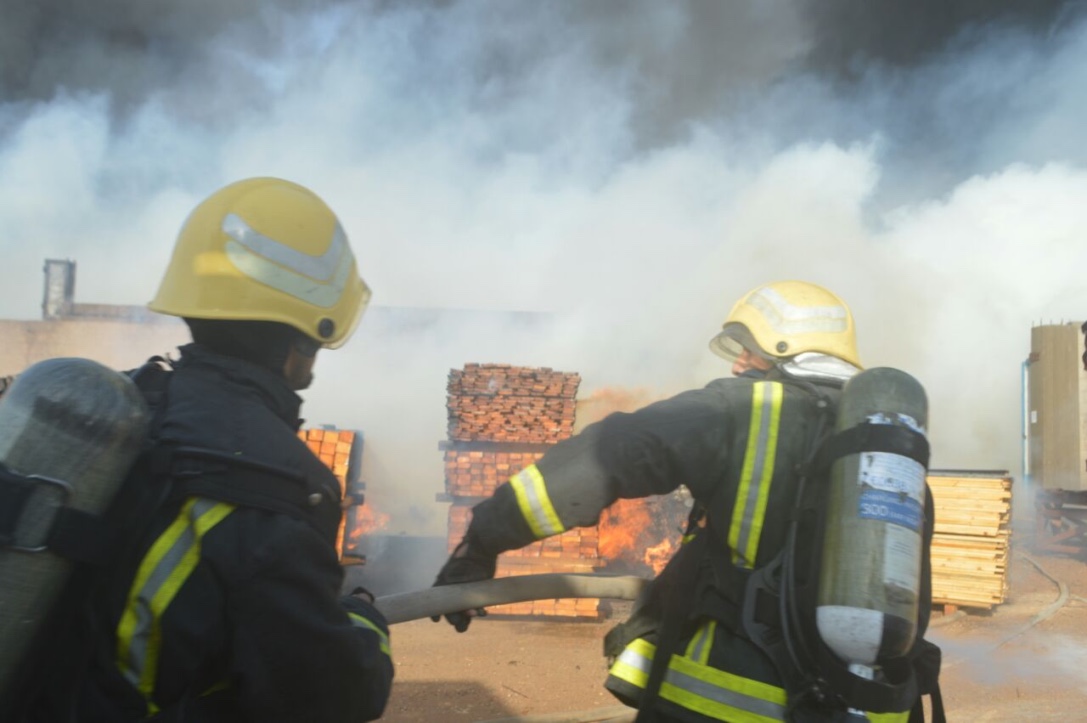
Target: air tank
x=69, y=431
x=870, y=578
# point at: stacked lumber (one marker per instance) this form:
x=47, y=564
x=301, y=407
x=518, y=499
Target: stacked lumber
x=340, y=451
x=504, y=403
x=970, y=545
x=503, y=418
x=476, y=473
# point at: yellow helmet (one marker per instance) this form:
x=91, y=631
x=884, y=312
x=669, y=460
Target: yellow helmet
x=786, y=318
x=265, y=249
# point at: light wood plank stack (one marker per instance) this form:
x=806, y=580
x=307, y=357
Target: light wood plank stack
x=970, y=545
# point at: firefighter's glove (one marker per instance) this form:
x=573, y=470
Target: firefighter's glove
x=468, y=563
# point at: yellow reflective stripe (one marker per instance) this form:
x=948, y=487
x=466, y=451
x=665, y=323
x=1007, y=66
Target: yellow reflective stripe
x=528, y=485
x=711, y=692
x=698, y=649
x=749, y=509
x=383, y=639
x=164, y=569
x=697, y=687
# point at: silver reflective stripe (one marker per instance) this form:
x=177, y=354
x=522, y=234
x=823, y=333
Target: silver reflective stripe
x=699, y=649
x=703, y=689
x=318, y=280
x=787, y=319
x=162, y=573
x=320, y=267
x=758, y=472
x=531, y=492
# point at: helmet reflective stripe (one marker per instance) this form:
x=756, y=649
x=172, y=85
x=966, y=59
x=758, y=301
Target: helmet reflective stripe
x=528, y=485
x=163, y=571
x=758, y=471
x=277, y=265
x=706, y=690
x=788, y=319
x=383, y=640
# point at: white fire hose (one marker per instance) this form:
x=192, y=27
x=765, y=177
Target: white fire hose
x=403, y=607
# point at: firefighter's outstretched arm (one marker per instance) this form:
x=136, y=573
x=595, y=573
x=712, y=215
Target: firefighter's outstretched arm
x=625, y=455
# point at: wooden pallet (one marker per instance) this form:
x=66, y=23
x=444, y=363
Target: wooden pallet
x=971, y=544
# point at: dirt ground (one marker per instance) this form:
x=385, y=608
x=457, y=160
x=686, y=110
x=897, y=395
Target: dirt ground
x=1026, y=660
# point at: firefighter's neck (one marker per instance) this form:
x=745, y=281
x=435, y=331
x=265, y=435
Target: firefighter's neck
x=298, y=369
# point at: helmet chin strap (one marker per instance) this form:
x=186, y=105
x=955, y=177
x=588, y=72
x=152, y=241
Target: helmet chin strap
x=814, y=366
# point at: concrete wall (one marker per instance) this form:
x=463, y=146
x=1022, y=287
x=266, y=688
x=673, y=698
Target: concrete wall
x=116, y=343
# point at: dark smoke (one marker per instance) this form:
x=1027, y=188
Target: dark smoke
x=685, y=62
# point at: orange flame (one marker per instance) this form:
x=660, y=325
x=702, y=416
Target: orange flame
x=659, y=555
x=635, y=535
x=364, y=520
x=639, y=534
x=622, y=527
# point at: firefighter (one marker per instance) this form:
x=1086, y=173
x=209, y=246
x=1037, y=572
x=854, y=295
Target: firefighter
x=229, y=608
x=739, y=446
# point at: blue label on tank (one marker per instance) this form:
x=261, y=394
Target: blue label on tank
x=891, y=507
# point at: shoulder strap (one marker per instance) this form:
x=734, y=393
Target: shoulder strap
x=203, y=472
x=225, y=477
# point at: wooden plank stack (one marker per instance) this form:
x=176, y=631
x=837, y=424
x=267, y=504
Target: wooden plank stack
x=971, y=540
x=476, y=473
x=341, y=451
x=504, y=403
x=503, y=418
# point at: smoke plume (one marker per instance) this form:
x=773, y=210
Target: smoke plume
x=625, y=170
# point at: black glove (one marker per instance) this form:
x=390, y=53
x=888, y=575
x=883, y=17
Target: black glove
x=467, y=564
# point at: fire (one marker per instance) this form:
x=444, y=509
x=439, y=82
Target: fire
x=363, y=520
x=622, y=527
x=641, y=535
x=606, y=400
x=636, y=536
x=659, y=555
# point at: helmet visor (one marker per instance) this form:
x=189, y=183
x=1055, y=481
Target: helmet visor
x=733, y=339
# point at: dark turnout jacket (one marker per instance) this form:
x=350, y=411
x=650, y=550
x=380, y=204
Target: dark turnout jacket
x=738, y=445
x=230, y=609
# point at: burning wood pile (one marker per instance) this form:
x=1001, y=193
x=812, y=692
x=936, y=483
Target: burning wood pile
x=341, y=451
x=503, y=418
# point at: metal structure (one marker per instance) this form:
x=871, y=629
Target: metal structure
x=1055, y=436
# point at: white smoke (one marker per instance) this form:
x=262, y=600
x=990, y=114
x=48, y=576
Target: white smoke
x=629, y=174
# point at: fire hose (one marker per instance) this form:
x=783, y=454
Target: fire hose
x=444, y=599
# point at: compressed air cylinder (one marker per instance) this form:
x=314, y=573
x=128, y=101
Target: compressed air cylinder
x=869, y=582
x=79, y=425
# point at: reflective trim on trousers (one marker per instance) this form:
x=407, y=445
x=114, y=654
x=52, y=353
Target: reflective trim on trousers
x=700, y=688
x=531, y=491
x=711, y=692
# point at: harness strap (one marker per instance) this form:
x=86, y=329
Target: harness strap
x=199, y=472
x=892, y=438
